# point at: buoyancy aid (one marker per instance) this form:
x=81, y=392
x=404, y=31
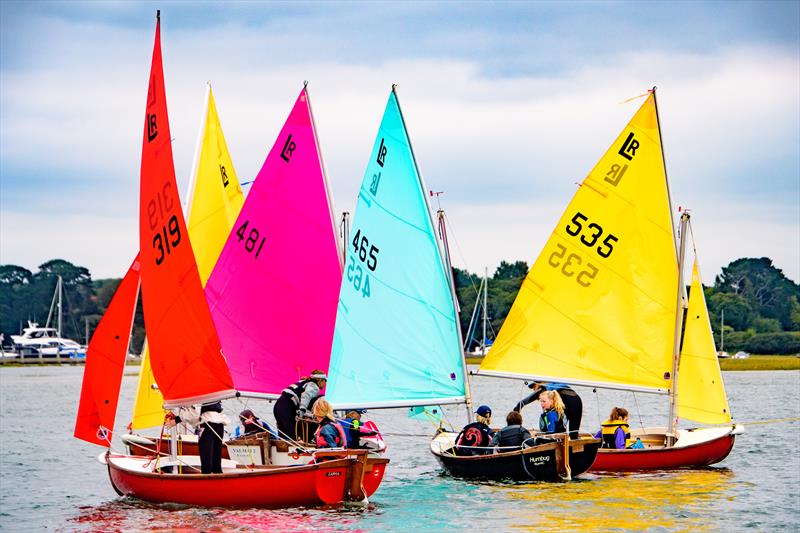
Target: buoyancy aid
x=609, y=431
x=474, y=434
x=560, y=426
x=295, y=390
x=340, y=440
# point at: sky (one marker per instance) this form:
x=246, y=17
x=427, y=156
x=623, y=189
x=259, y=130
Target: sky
x=508, y=105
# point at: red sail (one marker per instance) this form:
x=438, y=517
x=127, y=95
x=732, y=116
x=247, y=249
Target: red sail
x=184, y=347
x=105, y=362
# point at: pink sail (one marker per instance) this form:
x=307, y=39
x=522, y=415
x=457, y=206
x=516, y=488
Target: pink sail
x=275, y=288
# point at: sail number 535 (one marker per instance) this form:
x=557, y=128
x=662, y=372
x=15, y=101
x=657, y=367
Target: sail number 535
x=571, y=266
x=590, y=234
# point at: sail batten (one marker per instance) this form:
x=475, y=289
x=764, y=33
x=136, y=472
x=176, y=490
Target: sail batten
x=597, y=306
x=396, y=342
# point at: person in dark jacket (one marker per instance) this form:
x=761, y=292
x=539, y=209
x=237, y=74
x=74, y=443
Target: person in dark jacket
x=210, y=424
x=512, y=436
x=477, y=434
x=296, y=401
x=573, y=405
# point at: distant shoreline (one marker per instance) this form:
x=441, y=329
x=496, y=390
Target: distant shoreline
x=754, y=362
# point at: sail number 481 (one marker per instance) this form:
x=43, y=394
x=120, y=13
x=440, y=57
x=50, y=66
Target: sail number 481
x=368, y=254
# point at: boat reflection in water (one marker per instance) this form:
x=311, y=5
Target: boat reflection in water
x=134, y=515
x=689, y=500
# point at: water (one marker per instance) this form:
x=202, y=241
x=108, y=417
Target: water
x=49, y=480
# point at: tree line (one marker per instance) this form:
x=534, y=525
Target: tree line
x=761, y=305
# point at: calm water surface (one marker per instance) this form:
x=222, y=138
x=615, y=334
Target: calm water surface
x=49, y=480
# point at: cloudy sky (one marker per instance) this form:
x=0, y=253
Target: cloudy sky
x=508, y=105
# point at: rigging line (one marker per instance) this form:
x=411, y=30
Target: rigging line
x=452, y=235
x=597, y=401
x=638, y=411
x=771, y=421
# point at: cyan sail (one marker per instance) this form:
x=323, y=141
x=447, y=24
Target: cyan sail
x=396, y=340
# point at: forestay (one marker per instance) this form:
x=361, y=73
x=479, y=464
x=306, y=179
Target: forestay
x=598, y=305
x=274, y=290
x=396, y=341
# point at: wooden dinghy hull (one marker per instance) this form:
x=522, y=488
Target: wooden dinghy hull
x=146, y=446
x=544, y=462
x=343, y=476
x=694, y=448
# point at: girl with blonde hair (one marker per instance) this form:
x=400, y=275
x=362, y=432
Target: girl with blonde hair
x=330, y=433
x=552, y=418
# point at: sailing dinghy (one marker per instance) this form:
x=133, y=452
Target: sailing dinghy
x=187, y=359
x=602, y=306
x=397, y=341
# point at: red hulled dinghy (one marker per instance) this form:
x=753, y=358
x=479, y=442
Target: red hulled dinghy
x=339, y=476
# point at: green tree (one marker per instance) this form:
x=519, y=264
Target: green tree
x=506, y=270
x=768, y=290
x=739, y=312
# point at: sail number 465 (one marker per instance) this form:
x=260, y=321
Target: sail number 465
x=368, y=254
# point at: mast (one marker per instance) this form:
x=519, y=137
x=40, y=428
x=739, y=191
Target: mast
x=443, y=233
x=344, y=228
x=449, y=273
x=60, y=295
x=676, y=350
x=722, y=330
x=681, y=249
x=485, y=296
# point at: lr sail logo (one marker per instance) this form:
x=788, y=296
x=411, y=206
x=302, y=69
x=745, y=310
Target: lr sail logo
x=629, y=147
x=224, y=175
x=382, y=153
x=376, y=181
x=152, y=127
x=288, y=149
x=102, y=433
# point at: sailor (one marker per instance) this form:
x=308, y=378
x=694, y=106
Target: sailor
x=552, y=418
x=615, y=431
x=573, y=406
x=512, y=436
x=296, y=401
x=210, y=424
x=477, y=434
x=329, y=434
x=251, y=425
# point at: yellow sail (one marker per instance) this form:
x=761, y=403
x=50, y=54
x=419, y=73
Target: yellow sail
x=701, y=392
x=147, y=411
x=598, y=306
x=215, y=200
